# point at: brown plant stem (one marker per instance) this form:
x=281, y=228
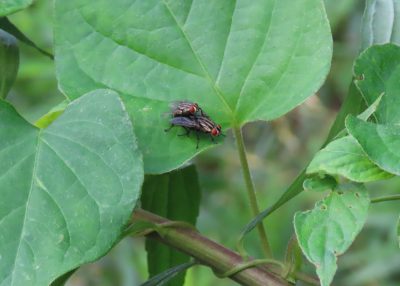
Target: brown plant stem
x=209, y=253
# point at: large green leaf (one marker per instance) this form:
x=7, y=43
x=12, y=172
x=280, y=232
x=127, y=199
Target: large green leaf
x=8, y=7
x=176, y=196
x=240, y=60
x=345, y=157
x=9, y=61
x=378, y=72
x=67, y=190
x=381, y=22
x=329, y=229
x=380, y=142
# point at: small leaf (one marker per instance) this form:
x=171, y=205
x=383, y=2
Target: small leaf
x=381, y=23
x=380, y=142
x=329, y=229
x=377, y=72
x=158, y=51
x=319, y=183
x=67, y=190
x=9, y=27
x=345, y=157
x=52, y=115
x=367, y=113
x=176, y=196
x=8, y=7
x=167, y=275
x=9, y=61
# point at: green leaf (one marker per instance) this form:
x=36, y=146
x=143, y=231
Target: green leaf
x=176, y=196
x=319, y=183
x=239, y=60
x=381, y=22
x=329, y=229
x=9, y=27
x=367, y=113
x=8, y=7
x=344, y=157
x=167, y=275
x=380, y=142
x=378, y=72
x=9, y=62
x=68, y=190
x=52, y=115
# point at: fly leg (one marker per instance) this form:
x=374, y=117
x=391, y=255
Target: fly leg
x=186, y=133
x=168, y=129
x=212, y=139
x=198, y=139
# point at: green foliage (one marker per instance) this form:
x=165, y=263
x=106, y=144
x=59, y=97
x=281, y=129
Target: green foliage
x=381, y=22
x=345, y=157
x=9, y=61
x=9, y=27
x=8, y=7
x=329, y=229
x=67, y=190
x=240, y=60
x=319, y=183
x=380, y=142
x=176, y=196
x=377, y=72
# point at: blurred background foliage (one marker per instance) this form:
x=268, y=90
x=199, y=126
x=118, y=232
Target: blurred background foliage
x=277, y=151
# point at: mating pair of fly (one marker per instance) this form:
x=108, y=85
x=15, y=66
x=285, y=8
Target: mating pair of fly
x=192, y=118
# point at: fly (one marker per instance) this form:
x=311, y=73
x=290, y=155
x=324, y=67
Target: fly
x=199, y=124
x=185, y=108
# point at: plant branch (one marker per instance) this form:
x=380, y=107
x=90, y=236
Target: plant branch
x=209, y=253
x=385, y=198
x=251, y=190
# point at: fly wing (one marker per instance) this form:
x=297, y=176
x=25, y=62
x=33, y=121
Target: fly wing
x=185, y=122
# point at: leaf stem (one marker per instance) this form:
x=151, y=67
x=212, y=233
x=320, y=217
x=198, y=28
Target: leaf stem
x=385, y=198
x=251, y=190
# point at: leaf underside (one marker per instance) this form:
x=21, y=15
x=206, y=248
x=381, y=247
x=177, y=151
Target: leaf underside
x=176, y=196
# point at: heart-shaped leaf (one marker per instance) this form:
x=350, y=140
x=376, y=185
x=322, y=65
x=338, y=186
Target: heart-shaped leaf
x=176, y=196
x=11, y=6
x=239, y=60
x=329, y=229
x=381, y=22
x=380, y=142
x=67, y=190
x=9, y=62
x=377, y=71
x=345, y=157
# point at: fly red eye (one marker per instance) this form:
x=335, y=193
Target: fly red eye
x=214, y=132
x=193, y=109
